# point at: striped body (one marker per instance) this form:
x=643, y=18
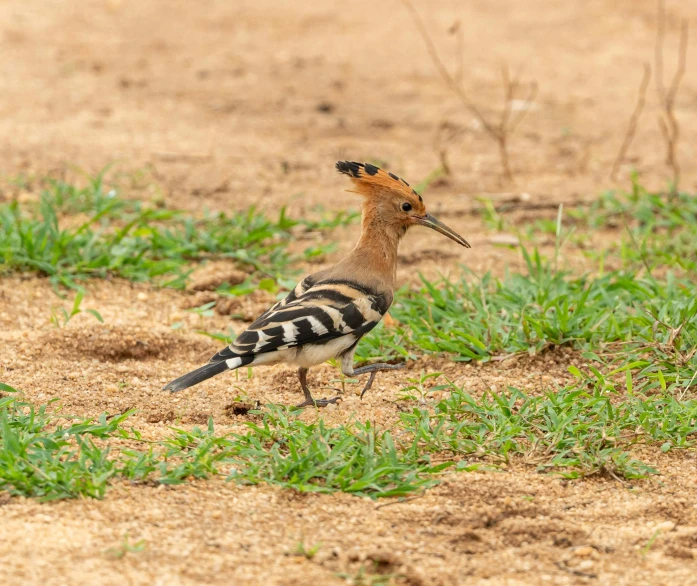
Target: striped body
x=320, y=319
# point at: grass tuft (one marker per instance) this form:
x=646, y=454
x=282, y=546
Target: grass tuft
x=73, y=234
x=573, y=431
x=314, y=458
x=40, y=457
x=622, y=319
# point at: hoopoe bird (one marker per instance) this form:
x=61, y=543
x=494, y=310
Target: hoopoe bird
x=328, y=312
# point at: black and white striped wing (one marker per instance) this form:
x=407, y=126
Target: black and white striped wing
x=313, y=313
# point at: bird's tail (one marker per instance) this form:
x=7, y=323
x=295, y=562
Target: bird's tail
x=196, y=376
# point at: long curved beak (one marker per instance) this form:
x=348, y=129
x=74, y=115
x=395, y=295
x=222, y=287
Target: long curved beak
x=435, y=224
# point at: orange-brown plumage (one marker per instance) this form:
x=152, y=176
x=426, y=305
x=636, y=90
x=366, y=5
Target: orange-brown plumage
x=328, y=312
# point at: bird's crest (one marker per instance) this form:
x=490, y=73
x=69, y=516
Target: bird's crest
x=371, y=180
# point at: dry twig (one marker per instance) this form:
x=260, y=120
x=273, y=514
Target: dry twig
x=633, y=121
x=507, y=124
x=668, y=123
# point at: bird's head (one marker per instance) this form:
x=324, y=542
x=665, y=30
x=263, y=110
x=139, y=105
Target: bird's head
x=390, y=198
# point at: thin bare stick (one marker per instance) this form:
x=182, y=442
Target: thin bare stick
x=668, y=123
x=443, y=70
x=445, y=134
x=501, y=137
x=509, y=88
x=633, y=121
x=507, y=123
x=658, y=50
x=682, y=61
x=672, y=122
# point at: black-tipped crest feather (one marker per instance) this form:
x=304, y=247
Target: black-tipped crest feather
x=371, y=177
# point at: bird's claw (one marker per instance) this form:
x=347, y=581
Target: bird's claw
x=369, y=384
x=371, y=378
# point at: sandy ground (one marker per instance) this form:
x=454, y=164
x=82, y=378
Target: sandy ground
x=222, y=105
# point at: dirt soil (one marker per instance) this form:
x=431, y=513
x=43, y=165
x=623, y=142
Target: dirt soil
x=222, y=105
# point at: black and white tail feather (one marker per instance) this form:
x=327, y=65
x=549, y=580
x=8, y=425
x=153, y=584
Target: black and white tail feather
x=318, y=320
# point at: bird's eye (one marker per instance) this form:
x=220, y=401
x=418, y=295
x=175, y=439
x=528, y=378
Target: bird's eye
x=406, y=206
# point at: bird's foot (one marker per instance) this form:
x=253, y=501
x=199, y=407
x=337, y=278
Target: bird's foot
x=382, y=368
x=318, y=402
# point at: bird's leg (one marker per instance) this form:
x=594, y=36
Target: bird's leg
x=348, y=370
x=309, y=401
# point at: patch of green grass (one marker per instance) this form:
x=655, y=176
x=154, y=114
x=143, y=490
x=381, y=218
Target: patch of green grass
x=621, y=318
x=578, y=430
x=657, y=229
x=76, y=233
x=43, y=458
x=639, y=208
x=581, y=429
x=315, y=458
x=575, y=431
x=95, y=196
x=654, y=230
